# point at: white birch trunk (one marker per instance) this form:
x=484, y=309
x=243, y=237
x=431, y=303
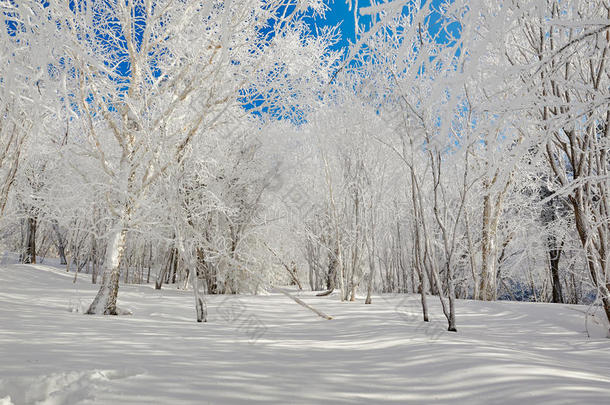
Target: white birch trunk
x=106, y=298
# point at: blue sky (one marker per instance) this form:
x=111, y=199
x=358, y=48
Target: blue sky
x=339, y=14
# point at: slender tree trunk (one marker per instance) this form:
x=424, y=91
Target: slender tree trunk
x=331, y=275
x=311, y=274
x=356, y=250
x=95, y=270
x=601, y=281
x=488, y=262
x=554, y=257
x=472, y=259
x=447, y=311
x=452, y=327
x=418, y=260
x=96, y=254
x=201, y=308
x=303, y=303
x=61, y=249
x=369, y=287
x=335, y=217
x=149, y=264
x=174, y=269
x=422, y=291
x=29, y=249
x=166, y=269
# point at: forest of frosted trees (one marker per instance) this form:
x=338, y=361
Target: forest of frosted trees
x=456, y=150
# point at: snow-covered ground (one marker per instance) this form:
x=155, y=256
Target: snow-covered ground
x=266, y=349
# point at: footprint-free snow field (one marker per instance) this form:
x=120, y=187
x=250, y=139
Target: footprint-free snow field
x=265, y=349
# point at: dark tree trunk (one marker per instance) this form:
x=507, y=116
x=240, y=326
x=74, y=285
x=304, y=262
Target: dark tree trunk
x=161, y=274
x=95, y=260
x=330, y=275
x=150, y=257
x=166, y=271
x=95, y=270
x=206, y=271
x=61, y=249
x=555, y=250
x=175, y=268
x=29, y=250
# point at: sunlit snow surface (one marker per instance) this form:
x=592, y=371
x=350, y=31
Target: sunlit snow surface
x=266, y=349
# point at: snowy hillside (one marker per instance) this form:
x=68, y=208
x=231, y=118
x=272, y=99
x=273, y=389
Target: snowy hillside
x=266, y=349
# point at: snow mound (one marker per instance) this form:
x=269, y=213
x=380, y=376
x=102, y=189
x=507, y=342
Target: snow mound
x=71, y=387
